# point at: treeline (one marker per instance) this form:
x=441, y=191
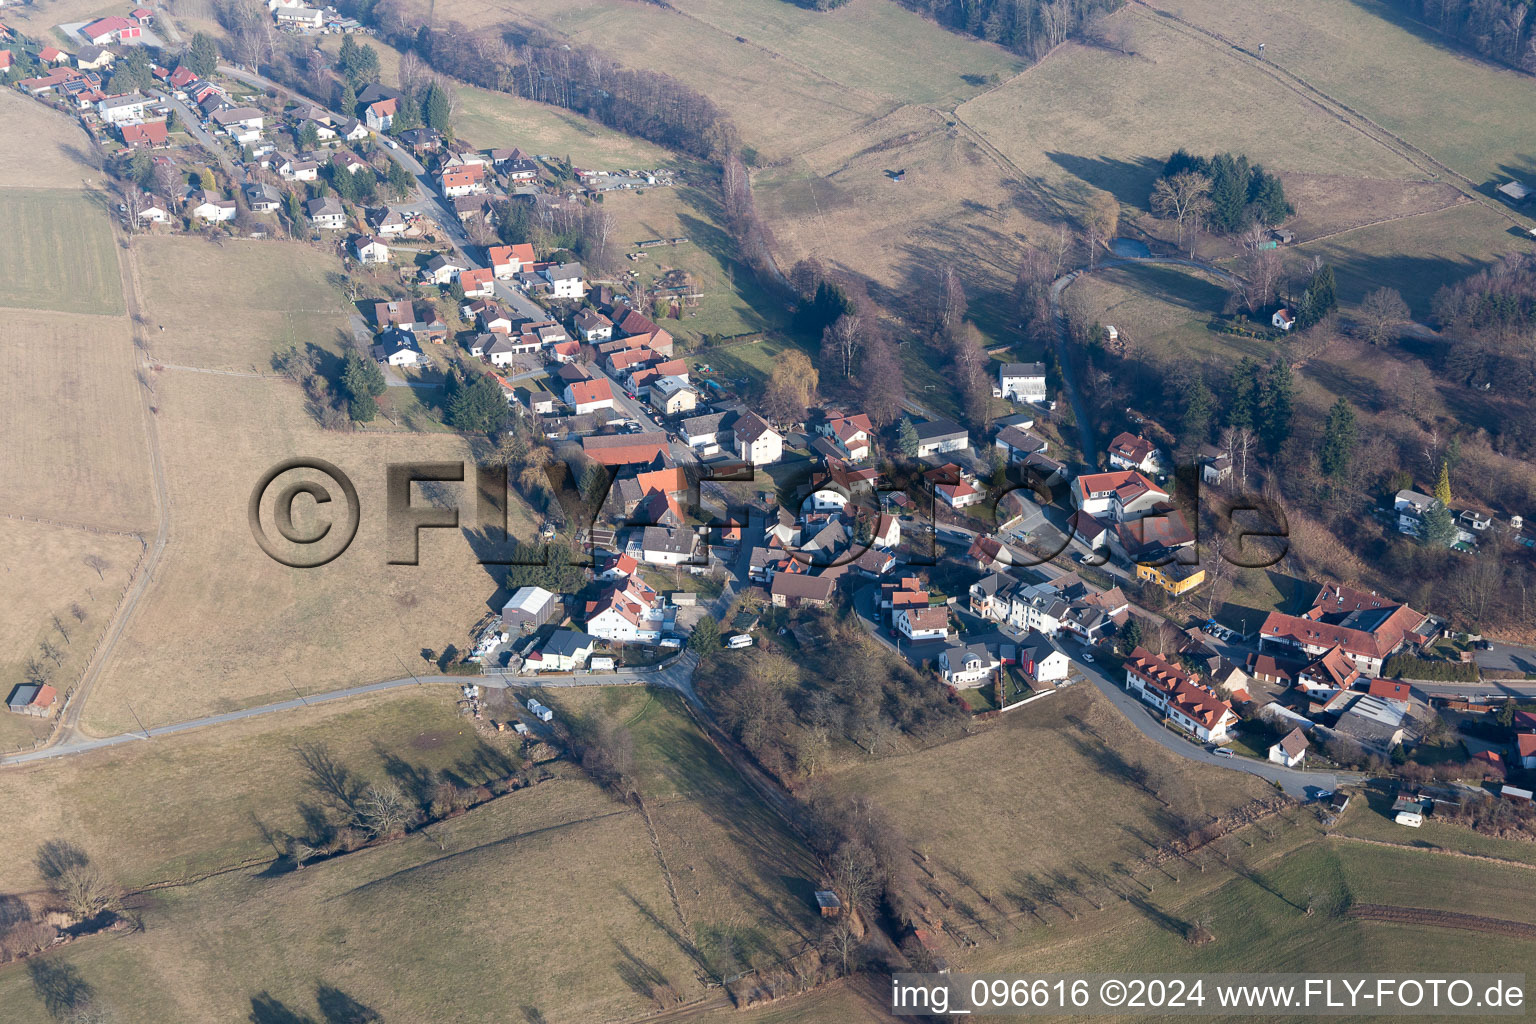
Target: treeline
x=1490, y=321
x=1028, y=27
x=1240, y=194
x=529, y=63
x=1499, y=30
x=789, y=719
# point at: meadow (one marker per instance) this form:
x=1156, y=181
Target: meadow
x=50, y=572
x=78, y=450
x=1468, y=113
x=254, y=299
x=553, y=903
x=59, y=252
x=254, y=629
x=57, y=155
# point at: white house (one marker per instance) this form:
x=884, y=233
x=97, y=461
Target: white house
x=565, y=650
x=967, y=664
x=299, y=17
x=935, y=437
x=628, y=613
x=1173, y=691
x=370, y=250
x=1130, y=451
x=664, y=545
x=1039, y=607
x=119, y=109
x=1410, y=507
x=756, y=441
x=1021, y=382
x=586, y=396
x=1283, y=319
x=326, y=213
x=154, y=212
x=1118, y=496
x=1039, y=658
x=566, y=280
x=887, y=532
x=1291, y=751
x=930, y=622
x=397, y=348
x=203, y=206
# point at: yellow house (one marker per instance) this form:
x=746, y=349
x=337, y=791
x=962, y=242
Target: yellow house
x=1174, y=578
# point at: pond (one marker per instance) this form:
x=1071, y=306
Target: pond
x=1130, y=249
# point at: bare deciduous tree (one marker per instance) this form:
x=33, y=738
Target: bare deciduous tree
x=384, y=811
x=1184, y=197
x=1380, y=311
x=98, y=563
x=85, y=891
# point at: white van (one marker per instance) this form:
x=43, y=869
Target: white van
x=739, y=641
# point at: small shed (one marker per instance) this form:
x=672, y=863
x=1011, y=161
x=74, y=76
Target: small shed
x=1291, y=750
x=32, y=699
x=1515, y=192
x=528, y=609
x=828, y=903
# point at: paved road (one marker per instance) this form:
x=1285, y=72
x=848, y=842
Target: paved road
x=674, y=675
x=1302, y=785
x=192, y=122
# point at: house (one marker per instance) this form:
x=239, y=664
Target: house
x=204, y=207
x=369, y=249
x=326, y=213
x=957, y=490
x=1283, y=319
x=476, y=283
x=1366, y=627
x=346, y=160
x=937, y=436
x=1021, y=382
x=299, y=17
x=501, y=352
x=35, y=699
x=564, y=651
x=967, y=664
x=462, y=181
x=886, y=532
x=673, y=396
x=897, y=596
x=1525, y=749
x=1291, y=751
x=263, y=198
x=114, y=29
x=1117, y=496
x=929, y=622
x=389, y=221
x=142, y=15
x=1390, y=689
x=1410, y=506
x=1131, y=451
x=1018, y=444
x=850, y=435
x=792, y=589
x=154, y=211
x=89, y=58
x=566, y=280
x=703, y=432
x=118, y=109
x=1040, y=659
x=397, y=348
x=291, y=168
x=589, y=395
x=627, y=612
x=1175, y=578
x=52, y=55
x=148, y=135
x=625, y=449
x=243, y=124
x=528, y=609
x=593, y=326
x=351, y=129
x=756, y=442
x=507, y=261
x=1178, y=694
x=1215, y=466
x=441, y=269
x=989, y=596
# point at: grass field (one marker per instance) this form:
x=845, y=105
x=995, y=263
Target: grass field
x=549, y=904
x=240, y=624
x=268, y=296
x=732, y=303
x=57, y=154
x=75, y=427
x=789, y=78
x=45, y=576
x=1047, y=782
x=59, y=253
x=1468, y=113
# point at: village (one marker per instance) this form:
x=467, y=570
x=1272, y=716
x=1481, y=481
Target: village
x=955, y=569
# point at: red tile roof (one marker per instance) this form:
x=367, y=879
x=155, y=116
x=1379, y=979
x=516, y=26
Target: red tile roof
x=587, y=391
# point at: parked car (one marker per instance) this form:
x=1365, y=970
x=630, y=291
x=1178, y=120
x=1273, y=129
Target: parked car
x=739, y=641
x=671, y=642
x=1223, y=752
x=1088, y=657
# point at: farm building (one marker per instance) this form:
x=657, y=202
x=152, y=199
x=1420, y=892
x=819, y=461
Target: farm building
x=32, y=699
x=529, y=609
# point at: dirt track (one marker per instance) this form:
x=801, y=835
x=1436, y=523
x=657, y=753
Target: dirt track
x=1442, y=919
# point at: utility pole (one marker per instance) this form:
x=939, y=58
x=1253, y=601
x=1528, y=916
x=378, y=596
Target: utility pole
x=294, y=688
x=136, y=718
x=408, y=671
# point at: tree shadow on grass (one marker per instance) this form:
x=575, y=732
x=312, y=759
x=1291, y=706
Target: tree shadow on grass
x=59, y=985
